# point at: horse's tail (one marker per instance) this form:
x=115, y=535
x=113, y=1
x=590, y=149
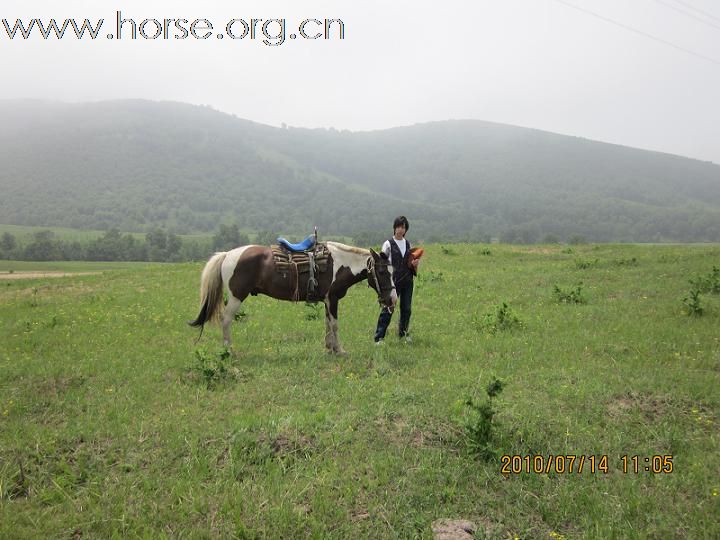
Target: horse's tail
x=211, y=291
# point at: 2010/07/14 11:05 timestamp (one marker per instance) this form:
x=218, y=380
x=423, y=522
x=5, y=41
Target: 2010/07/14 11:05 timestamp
x=571, y=463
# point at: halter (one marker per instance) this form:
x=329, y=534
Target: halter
x=371, y=272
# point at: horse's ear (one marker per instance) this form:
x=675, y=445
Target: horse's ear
x=374, y=254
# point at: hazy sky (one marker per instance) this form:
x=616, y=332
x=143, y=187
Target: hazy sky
x=533, y=63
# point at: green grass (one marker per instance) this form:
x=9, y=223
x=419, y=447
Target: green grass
x=115, y=422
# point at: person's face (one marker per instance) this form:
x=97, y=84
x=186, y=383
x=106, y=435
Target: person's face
x=400, y=231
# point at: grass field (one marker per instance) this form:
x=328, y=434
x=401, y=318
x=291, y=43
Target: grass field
x=115, y=422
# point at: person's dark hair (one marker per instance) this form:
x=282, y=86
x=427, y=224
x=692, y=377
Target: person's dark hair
x=401, y=220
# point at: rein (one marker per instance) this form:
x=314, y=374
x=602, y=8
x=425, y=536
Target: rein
x=373, y=273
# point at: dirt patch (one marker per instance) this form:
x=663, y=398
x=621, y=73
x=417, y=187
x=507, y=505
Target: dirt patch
x=397, y=431
x=649, y=405
x=56, y=386
x=359, y=514
x=453, y=529
x=40, y=275
x=284, y=446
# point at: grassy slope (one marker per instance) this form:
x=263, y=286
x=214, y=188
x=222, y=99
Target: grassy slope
x=117, y=434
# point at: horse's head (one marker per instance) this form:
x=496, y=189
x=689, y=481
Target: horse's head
x=380, y=279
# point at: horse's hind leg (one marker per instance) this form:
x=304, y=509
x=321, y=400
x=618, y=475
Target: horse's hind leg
x=232, y=307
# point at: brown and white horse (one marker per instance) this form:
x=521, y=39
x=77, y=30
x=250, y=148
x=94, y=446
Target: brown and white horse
x=251, y=270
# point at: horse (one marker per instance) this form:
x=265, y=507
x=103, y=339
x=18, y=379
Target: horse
x=252, y=269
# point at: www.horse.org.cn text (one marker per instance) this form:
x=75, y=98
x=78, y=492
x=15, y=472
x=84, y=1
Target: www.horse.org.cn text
x=271, y=32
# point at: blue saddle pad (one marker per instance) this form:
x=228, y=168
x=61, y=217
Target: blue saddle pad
x=302, y=246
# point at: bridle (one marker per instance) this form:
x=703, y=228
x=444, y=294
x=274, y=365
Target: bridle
x=372, y=272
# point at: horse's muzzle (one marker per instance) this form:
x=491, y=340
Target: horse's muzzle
x=391, y=302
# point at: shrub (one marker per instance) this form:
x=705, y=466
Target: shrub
x=503, y=318
x=447, y=251
x=627, y=262
x=581, y=264
x=479, y=426
x=571, y=296
x=709, y=283
x=213, y=369
x=430, y=275
x=692, y=303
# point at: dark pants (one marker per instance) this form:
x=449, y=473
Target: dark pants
x=404, y=293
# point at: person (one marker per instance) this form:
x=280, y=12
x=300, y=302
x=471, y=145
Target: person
x=397, y=249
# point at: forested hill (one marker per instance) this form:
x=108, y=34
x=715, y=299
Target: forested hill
x=134, y=165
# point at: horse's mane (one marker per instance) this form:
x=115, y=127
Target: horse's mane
x=349, y=249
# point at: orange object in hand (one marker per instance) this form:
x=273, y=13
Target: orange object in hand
x=415, y=254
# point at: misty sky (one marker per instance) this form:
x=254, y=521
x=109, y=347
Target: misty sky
x=533, y=63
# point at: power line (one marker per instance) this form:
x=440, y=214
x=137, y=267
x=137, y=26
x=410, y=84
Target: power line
x=684, y=12
x=626, y=27
x=709, y=15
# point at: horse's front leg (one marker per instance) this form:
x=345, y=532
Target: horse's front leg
x=332, y=343
x=328, y=328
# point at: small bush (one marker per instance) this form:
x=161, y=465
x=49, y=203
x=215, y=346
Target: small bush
x=627, y=262
x=479, y=427
x=433, y=276
x=447, y=251
x=571, y=296
x=503, y=318
x=713, y=279
x=709, y=283
x=485, y=251
x=692, y=303
x=213, y=369
x=581, y=264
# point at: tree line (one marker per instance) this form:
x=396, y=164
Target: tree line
x=158, y=245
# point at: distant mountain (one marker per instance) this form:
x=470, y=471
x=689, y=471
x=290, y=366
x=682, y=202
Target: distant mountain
x=138, y=164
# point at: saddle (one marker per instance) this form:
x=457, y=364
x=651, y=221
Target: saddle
x=305, y=245
x=312, y=260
